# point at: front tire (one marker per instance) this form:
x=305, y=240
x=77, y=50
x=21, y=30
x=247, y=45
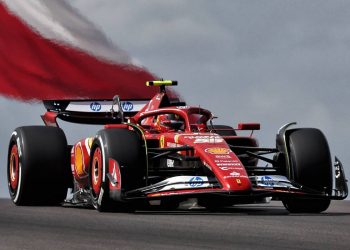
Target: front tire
x=311, y=166
x=123, y=147
x=306, y=205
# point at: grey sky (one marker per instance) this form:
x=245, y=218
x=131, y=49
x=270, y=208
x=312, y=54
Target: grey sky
x=256, y=61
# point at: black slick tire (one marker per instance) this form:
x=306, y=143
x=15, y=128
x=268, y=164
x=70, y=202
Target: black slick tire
x=124, y=147
x=311, y=166
x=38, y=170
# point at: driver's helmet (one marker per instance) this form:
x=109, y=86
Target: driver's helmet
x=164, y=122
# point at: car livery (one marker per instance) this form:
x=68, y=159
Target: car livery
x=164, y=150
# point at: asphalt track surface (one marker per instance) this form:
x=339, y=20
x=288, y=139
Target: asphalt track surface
x=243, y=227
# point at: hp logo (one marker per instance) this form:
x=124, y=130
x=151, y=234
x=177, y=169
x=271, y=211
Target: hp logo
x=127, y=106
x=95, y=106
x=268, y=181
x=196, y=181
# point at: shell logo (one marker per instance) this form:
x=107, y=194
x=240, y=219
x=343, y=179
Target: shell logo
x=218, y=151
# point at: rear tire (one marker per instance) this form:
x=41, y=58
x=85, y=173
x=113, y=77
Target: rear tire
x=311, y=166
x=38, y=170
x=124, y=147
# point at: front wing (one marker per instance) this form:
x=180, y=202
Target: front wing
x=275, y=186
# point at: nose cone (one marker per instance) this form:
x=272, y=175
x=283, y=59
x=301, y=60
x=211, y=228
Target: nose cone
x=236, y=183
x=217, y=155
x=226, y=166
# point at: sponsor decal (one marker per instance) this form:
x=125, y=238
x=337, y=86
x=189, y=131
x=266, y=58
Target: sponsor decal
x=272, y=181
x=170, y=163
x=161, y=141
x=268, y=181
x=171, y=145
x=226, y=161
x=182, y=182
x=232, y=175
x=229, y=164
x=223, y=157
x=229, y=168
x=225, y=168
x=205, y=139
x=235, y=174
x=196, y=181
x=95, y=106
x=127, y=106
x=218, y=151
x=229, y=177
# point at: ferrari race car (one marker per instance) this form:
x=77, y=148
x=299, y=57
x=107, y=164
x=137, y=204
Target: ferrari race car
x=163, y=152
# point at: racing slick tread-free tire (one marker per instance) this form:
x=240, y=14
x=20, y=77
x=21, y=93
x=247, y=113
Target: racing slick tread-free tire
x=38, y=169
x=123, y=146
x=311, y=167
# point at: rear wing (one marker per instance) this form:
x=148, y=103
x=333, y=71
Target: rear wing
x=90, y=111
x=105, y=111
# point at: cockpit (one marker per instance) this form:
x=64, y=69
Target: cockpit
x=186, y=119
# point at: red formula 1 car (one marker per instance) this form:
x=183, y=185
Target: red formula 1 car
x=162, y=151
